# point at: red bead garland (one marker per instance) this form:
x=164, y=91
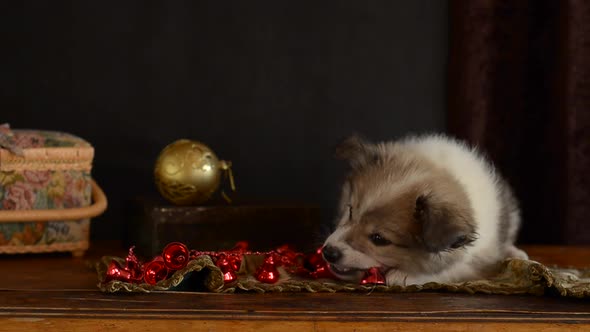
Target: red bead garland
x=155, y=271
x=116, y=272
x=321, y=266
x=228, y=268
x=373, y=276
x=176, y=256
x=268, y=272
x=131, y=272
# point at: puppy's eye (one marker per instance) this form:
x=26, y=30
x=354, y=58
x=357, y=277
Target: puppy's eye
x=461, y=241
x=379, y=240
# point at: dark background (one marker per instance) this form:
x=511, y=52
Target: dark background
x=270, y=85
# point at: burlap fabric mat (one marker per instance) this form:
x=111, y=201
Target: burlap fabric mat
x=515, y=277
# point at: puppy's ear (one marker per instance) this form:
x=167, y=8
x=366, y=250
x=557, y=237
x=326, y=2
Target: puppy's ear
x=356, y=150
x=444, y=226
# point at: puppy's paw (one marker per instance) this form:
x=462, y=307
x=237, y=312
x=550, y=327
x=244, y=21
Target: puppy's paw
x=514, y=252
x=400, y=278
x=396, y=278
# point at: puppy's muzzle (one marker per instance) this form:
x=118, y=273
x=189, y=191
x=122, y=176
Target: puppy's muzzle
x=331, y=254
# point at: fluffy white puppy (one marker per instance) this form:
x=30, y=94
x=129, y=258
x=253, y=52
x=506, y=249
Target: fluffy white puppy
x=421, y=209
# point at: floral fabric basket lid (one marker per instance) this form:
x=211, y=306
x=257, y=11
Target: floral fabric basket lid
x=20, y=149
x=45, y=184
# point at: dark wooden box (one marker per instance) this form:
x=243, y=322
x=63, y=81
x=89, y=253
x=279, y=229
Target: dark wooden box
x=153, y=224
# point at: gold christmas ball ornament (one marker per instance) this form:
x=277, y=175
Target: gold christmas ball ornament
x=188, y=172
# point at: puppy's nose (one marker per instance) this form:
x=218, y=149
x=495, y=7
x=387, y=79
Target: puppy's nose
x=331, y=254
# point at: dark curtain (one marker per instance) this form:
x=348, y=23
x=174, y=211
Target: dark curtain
x=519, y=87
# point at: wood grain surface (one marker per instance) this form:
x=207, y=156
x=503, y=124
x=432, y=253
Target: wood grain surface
x=57, y=292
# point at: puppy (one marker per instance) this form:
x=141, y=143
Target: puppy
x=421, y=209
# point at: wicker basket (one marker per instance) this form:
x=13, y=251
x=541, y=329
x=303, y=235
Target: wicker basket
x=47, y=195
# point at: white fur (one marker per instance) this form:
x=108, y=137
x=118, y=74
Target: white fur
x=480, y=183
